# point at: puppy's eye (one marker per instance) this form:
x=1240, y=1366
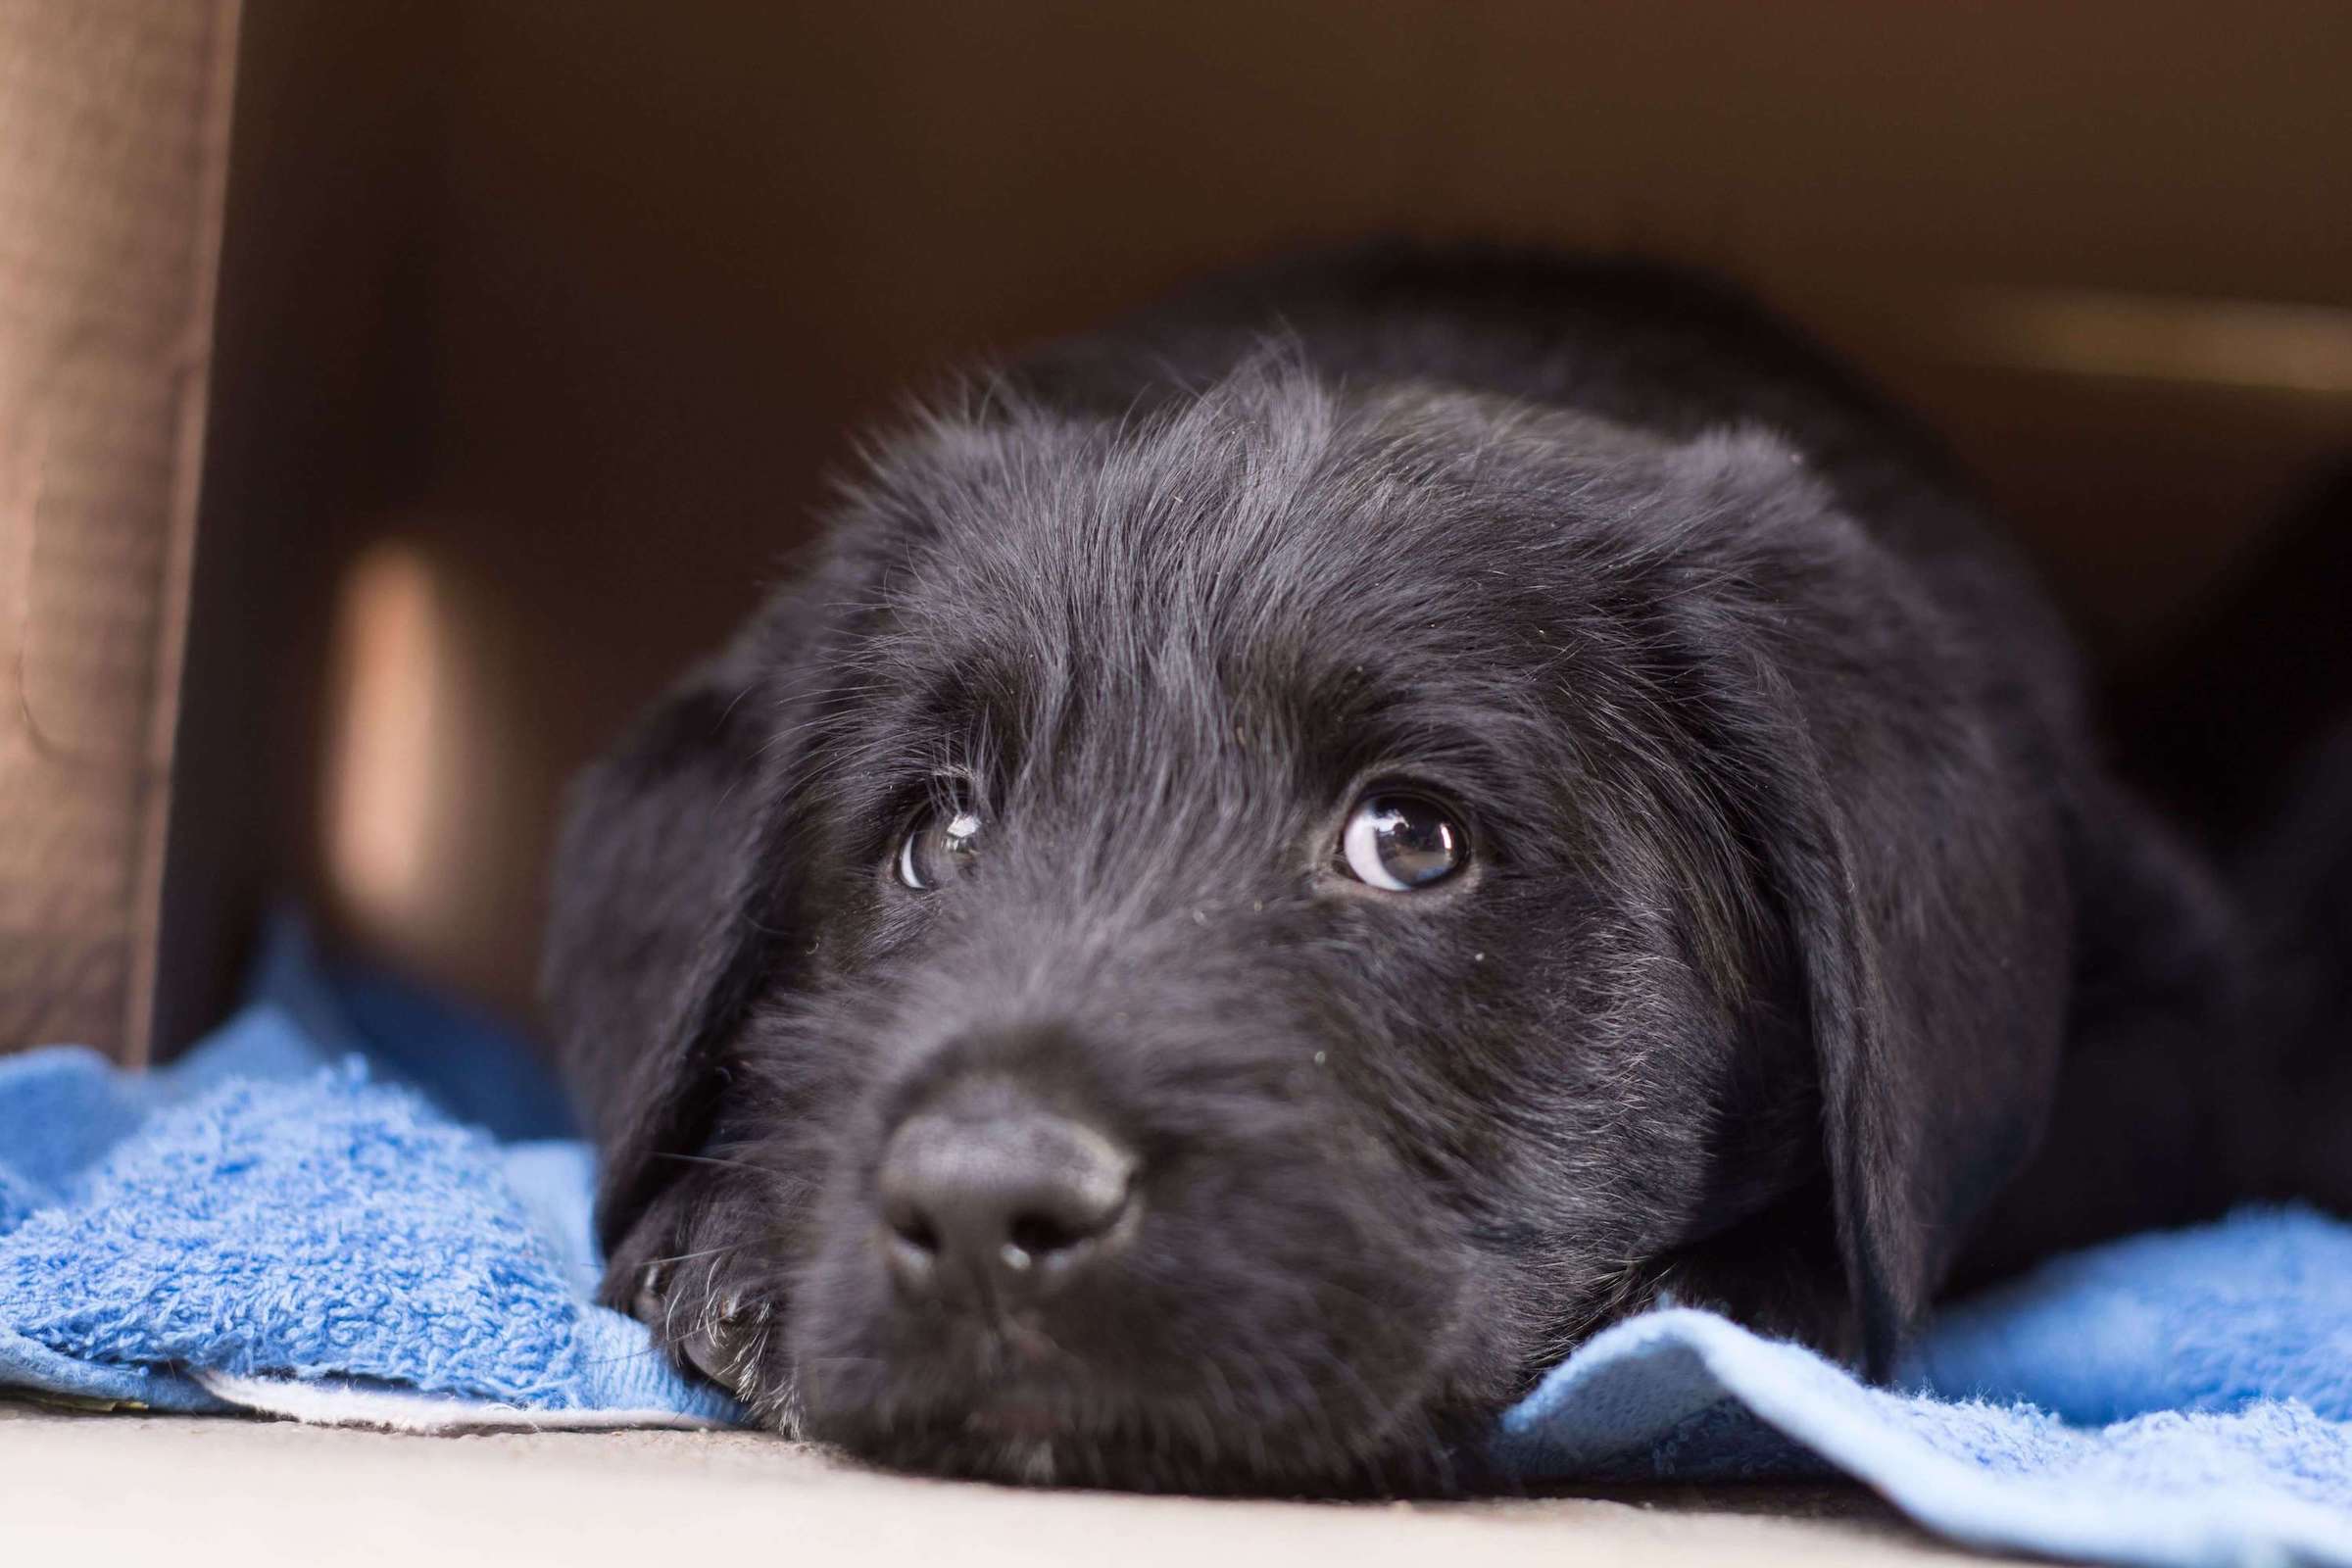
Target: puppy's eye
x=1400, y=843
x=940, y=845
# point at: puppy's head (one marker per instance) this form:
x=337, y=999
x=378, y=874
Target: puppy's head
x=1206, y=950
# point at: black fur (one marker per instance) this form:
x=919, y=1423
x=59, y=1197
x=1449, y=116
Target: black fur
x=1795, y=882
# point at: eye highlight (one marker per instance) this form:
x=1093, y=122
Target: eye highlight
x=1402, y=843
x=940, y=844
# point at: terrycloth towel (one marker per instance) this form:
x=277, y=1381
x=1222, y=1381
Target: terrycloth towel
x=2184, y=1398
x=299, y=1218
x=285, y=1221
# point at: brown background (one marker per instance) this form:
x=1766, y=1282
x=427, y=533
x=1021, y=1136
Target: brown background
x=567, y=306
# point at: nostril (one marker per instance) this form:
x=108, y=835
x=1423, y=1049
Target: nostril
x=1081, y=1204
x=1041, y=1234
x=916, y=1232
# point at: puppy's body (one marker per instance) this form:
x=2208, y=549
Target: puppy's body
x=1794, y=896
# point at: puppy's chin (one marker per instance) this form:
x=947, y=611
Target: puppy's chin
x=1036, y=1433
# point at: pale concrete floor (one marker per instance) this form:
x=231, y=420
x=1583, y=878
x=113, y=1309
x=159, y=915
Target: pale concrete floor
x=185, y=1491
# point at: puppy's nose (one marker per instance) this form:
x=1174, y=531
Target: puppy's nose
x=992, y=1200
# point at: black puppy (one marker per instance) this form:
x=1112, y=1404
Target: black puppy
x=1292, y=860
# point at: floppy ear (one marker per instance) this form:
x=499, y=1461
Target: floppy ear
x=1903, y=780
x=669, y=909
x=1935, y=1004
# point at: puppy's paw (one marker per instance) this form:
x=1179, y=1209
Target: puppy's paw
x=694, y=1290
x=716, y=1334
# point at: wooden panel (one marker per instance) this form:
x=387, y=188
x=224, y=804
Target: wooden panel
x=113, y=138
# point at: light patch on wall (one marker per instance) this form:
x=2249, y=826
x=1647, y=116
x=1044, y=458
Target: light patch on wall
x=388, y=725
x=2235, y=343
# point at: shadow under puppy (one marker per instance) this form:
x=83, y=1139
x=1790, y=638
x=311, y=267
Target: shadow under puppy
x=1291, y=861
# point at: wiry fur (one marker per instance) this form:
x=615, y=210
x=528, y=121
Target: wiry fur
x=1789, y=846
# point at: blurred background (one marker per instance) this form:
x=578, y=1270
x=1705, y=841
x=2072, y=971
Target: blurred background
x=394, y=395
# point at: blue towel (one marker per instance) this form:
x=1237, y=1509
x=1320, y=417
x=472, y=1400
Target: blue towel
x=354, y=1204
x=297, y=1217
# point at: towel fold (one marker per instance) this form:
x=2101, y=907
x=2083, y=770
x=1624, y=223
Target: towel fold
x=355, y=1204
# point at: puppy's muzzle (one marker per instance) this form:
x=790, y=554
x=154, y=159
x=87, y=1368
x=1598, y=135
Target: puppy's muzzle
x=992, y=1202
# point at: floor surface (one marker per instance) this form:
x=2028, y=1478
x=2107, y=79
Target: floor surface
x=192, y=1491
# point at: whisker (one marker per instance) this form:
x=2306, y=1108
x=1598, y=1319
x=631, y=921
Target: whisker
x=713, y=1160
x=688, y=1257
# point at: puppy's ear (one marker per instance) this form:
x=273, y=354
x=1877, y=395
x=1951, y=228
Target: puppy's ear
x=1901, y=779
x=669, y=900
x=1934, y=1030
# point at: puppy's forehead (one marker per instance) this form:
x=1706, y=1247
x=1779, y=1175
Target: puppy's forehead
x=1267, y=541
